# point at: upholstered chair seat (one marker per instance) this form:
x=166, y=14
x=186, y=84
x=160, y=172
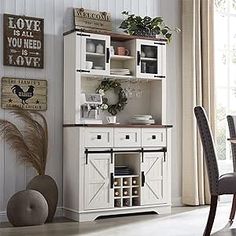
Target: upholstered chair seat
x=227, y=184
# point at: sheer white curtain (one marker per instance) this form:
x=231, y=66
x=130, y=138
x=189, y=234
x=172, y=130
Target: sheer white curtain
x=198, y=89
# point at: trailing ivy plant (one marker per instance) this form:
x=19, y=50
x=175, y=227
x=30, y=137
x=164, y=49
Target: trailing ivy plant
x=146, y=26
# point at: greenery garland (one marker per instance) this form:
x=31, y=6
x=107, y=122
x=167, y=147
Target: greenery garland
x=106, y=85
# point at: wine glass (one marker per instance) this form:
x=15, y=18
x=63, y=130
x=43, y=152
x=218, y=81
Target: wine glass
x=138, y=92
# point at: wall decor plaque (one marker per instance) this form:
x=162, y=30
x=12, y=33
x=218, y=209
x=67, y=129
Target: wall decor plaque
x=30, y=94
x=23, y=40
x=92, y=20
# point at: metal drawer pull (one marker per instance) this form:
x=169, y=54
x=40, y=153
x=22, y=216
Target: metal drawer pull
x=86, y=156
x=99, y=136
x=138, y=58
x=88, y=71
x=159, y=76
x=81, y=34
x=159, y=43
x=126, y=136
x=143, y=178
x=112, y=180
x=154, y=136
x=108, y=55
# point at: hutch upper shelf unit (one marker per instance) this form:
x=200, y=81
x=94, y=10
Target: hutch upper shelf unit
x=89, y=55
x=145, y=57
x=120, y=168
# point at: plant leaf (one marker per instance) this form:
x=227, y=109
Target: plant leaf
x=146, y=26
x=32, y=140
x=15, y=139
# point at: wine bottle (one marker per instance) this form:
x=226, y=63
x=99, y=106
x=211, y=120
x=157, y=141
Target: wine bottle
x=117, y=203
x=126, y=202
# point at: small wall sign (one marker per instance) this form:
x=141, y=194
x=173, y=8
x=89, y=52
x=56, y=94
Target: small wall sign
x=23, y=41
x=30, y=94
x=92, y=20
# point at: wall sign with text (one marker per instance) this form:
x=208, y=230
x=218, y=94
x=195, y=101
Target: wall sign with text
x=30, y=94
x=23, y=41
x=92, y=20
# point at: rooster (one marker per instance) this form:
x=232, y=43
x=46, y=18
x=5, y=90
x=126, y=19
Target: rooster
x=16, y=89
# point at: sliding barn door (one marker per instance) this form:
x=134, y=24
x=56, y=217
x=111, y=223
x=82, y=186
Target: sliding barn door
x=98, y=192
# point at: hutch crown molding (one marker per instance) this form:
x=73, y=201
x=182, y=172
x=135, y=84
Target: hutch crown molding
x=122, y=168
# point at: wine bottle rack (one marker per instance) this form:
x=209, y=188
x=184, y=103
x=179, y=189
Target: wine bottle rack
x=126, y=191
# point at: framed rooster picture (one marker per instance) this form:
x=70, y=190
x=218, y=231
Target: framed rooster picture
x=30, y=94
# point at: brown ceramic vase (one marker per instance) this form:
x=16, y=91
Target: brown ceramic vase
x=46, y=185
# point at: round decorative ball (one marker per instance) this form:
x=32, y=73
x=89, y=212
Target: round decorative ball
x=27, y=208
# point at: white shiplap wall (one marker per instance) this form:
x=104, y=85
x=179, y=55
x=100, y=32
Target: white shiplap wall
x=58, y=18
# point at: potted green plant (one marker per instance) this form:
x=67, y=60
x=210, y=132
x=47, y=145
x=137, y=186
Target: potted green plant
x=146, y=26
x=30, y=142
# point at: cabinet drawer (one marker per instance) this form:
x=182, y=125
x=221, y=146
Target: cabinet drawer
x=96, y=137
x=127, y=137
x=153, y=137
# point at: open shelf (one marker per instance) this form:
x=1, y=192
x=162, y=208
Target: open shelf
x=94, y=54
x=127, y=182
x=124, y=176
x=148, y=59
x=121, y=76
x=118, y=57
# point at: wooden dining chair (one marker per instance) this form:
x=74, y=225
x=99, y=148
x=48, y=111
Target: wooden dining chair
x=232, y=134
x=219, y=185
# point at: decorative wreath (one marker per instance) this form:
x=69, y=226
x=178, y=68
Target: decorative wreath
x=106, y=85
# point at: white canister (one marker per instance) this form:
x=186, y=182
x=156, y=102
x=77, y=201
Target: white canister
x=100, y=48
x=112, y=50
x=89, y=65
x=111, y=119
x=90, y=46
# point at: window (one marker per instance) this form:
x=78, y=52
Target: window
x=225, y=76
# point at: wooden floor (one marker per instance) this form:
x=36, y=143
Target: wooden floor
x=65, y=227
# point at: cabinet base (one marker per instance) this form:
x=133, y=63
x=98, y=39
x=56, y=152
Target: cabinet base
x=92, y=215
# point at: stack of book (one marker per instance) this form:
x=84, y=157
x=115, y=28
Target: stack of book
x=123, y=170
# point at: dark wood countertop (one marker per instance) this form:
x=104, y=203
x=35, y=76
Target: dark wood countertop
x=118, y=125
x=115, y=35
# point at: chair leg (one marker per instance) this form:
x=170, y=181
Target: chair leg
x=211, y=216
x=233, y=208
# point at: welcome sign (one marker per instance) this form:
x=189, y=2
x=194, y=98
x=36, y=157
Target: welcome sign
x=23, y=41
x=92, y=20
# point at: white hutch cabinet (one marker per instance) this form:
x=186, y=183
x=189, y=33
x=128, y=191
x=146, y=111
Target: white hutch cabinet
x=121, y=168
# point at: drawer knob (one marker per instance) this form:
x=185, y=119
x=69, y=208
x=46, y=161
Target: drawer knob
x=154, y=137
x=126, y=136
x=99, y=136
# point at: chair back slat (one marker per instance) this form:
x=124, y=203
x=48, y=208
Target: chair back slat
x=232, y=133
x=208, y=148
